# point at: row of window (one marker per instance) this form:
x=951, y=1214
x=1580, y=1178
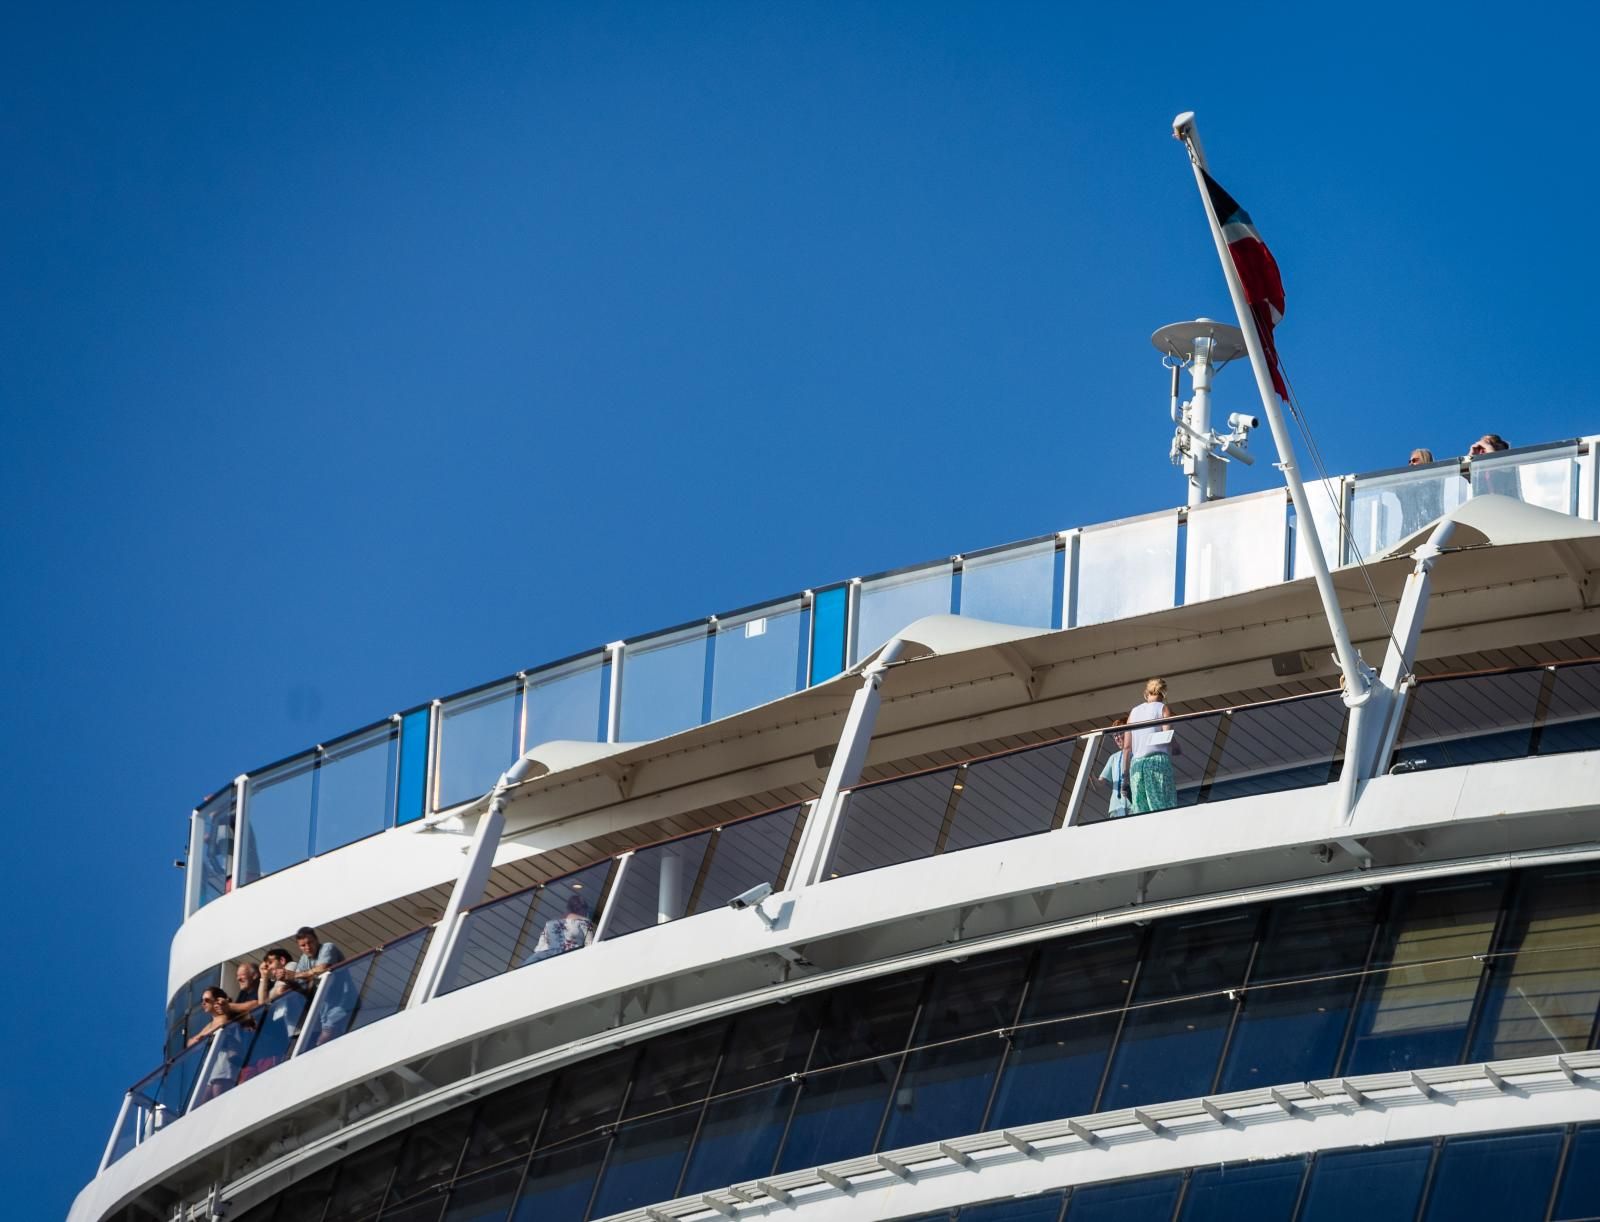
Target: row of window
x=1478, y=967
x=1546, y=1175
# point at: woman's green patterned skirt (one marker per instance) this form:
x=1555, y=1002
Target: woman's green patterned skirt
x=1151, y=782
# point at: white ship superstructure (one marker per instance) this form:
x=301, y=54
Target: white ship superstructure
x=814, y=909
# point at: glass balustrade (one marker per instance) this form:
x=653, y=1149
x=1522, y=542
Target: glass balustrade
x=672, y=681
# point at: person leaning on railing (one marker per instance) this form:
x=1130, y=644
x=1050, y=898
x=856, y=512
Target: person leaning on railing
x=317, y=958
x=227, y=1060
x=1147, y=754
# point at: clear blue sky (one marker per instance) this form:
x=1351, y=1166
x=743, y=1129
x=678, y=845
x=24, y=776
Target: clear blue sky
x=353, y=355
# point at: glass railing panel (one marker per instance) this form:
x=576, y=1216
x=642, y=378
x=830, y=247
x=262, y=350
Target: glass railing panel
x=356, y=788
x=566, y=702
x=214, y=828
x=1471, y=720
x=490, y=937
x=1235, y=545
x=1013, y=795
x=1290, y=745
x=657, y=885
x=888, y=604
x=1325, y=497
x=1127, y=568
x=277, y=818
x=277, y=1027
x=1016, y=585
x=178, y=1082
x=664, y=684
x=478, y=736
x=746, y=853
x=388, y=983
x=758, y=656
x=1547, y=478
x=337, y=998
x=1572, y=721
x=886, y=824
x=1385, y=509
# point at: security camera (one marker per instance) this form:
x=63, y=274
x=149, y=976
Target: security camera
x=1238, y=420
x=750, y=898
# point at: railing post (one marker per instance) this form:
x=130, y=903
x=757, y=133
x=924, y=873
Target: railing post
x=603, y=925
x=116, y=1129
x=312, y=1015
x=1080, y=784
x=203, y=1079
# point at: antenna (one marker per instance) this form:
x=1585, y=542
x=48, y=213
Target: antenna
x=1203, y=347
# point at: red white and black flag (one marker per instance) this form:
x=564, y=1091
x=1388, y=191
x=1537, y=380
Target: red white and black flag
x=1258, y=272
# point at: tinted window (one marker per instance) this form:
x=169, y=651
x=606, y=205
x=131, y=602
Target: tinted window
x=1259, y=1191
x=1505, y=1177
x=1381, y=1185
x=1148, y=1200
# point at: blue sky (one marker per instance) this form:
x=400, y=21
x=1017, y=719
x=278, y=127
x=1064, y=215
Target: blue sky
x=354, y=355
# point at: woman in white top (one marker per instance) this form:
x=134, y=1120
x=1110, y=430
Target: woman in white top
x=1147, y=756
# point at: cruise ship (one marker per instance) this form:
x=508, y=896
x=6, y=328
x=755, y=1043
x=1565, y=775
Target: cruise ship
x=833, y=906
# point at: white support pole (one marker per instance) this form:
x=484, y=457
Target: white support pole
x=849, y=757
x=241, y=787
x=603, y=925
x=203, y=1079
x=1357, y=676
x=1080, y=784
x=116, y=1129
x=1207, y=475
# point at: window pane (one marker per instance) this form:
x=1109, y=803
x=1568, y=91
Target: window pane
x=1146, y=1200
x=829, y=611
x=566, y=702
x=1044, y=1208
x=1506, y=1177
x=1059, y=1054
x=1287, y=1032
x=477, y=742
x=502, y=1131
x=363, y=1176
x=1127, y=569
x=1414, y=1012
x=337, y=1001
x=884, y=825
x=1326, y=499
x=656, y=886
x=586, y=1096
x=943, y=1090
x=646, y=1157
x=1580, y=1184
x=355, y=788
x=889, y=604
x=428, y=1160
x=1235, y=545
x=746, y=853
x=760, y=656
x=560, y=1182
x=664, y=684
x=484, y=1198
x=1014, y=795
x=1174, y=1032
x=277, y=818
x=215, y=862
x=1015, y=586
x=1378, y=1185
x=1286, y=746
x=1387, y=509
x=490, y=937
x=1543, y=995
x=1572, y=722
x=1550, y=482
x=388, y=983
x=1450, y=722
x=1262, y=1192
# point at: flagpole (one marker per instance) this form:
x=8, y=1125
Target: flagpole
x=1357, y=684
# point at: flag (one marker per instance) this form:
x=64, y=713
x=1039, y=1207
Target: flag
x=1258, y=273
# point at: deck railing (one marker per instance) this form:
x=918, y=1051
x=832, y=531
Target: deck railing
x=451, y=751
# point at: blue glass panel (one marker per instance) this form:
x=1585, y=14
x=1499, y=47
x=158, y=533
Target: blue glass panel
x=760, y=656
x=746, y=853
x=1543, y=993
x=1579, y=1197
x=1059, y=1052
x=216, y=826
x=560, y=1183
x=888, y=604
x=1287, y=1032
x=1414, y=1011
x=1147, y=1200
x=477, y=742
x=664, y=684
x=1450, y=722
x=566, y=702
x=1572, y=722
x=1263, y=1192
x=643, y=1166
x=1174, y=1032
x=362, y=1180
x=484, y=1198
x=586, y=1097
x=503, y=1128
x=1044, y=1208
x=829, y=611
x=355, y=789
x=1015, y=586
x=388, y=984
x=413, y=783
x=427, y=1161
x=1376, y=1185
x=277, y=819
x=944, y=1087
x=1506, y=1177
x=337, y=1000
x=277, y=1026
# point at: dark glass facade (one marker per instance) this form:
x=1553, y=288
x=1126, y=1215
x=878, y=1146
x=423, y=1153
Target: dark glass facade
x=1435, y=972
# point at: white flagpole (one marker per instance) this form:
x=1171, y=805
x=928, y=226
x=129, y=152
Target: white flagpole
x=1356, y=675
